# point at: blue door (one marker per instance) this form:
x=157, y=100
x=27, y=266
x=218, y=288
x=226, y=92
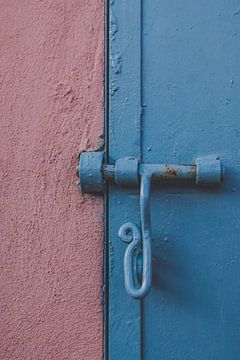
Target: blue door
x=173, y=98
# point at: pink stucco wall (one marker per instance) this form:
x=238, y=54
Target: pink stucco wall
x=51, y=91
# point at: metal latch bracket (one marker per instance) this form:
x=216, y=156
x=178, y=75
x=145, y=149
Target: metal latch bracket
x=94, y=175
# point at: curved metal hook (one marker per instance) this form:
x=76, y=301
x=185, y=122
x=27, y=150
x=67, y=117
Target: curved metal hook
x=129, y=232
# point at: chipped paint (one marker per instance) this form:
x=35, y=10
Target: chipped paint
x=113, y=25
x=114, y=87
x=116, y=63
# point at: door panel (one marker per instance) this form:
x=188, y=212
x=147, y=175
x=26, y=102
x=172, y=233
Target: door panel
x=190, y=85
x=124, y=320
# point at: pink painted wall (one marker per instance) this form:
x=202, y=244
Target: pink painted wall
x=51, y=91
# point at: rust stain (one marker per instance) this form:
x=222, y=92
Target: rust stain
x=171, y=171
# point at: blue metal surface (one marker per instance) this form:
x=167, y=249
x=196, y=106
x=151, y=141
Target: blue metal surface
x=94, y=175
x=90, y=172
x=130, y=232
x=124, y=139
x=209, y=171
x=174, y=74
x=126, y=171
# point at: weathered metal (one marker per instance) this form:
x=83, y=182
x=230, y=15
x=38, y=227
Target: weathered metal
x=129, y=172
x=94, y=174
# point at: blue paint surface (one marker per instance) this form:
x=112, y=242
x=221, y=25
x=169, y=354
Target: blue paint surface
x=174, y=88
x=124, y=320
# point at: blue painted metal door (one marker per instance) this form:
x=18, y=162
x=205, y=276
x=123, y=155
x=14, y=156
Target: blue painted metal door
x=173, y=93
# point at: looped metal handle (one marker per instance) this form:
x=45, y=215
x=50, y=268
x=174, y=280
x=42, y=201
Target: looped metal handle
x=129, y=232
x=94, y=174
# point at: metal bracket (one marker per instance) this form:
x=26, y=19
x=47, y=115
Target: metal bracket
x=94, y=175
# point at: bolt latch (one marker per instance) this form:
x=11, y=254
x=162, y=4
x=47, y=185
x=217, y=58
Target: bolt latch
x=94, y=174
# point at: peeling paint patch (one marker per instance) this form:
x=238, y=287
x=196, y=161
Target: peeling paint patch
x=113, y=25
x=113, y=88
x=116, y=63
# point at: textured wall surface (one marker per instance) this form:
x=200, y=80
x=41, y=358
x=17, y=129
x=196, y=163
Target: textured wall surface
x=51, y=77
